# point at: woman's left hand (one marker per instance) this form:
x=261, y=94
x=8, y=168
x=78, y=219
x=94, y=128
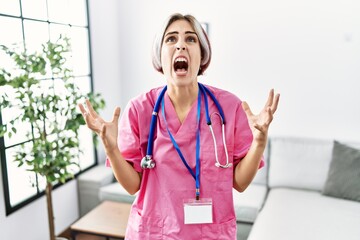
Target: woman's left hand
x=260, y=123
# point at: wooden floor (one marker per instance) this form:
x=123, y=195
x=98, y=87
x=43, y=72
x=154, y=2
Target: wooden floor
x=88, y=237
x=81, y=236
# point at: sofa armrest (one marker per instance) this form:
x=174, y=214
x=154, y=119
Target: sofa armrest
x=249, y=203
x=115, y=192
x=89, y=184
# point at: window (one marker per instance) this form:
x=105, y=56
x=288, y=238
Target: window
x=33, y=22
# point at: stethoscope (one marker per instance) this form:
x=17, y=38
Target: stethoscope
x=148, y=162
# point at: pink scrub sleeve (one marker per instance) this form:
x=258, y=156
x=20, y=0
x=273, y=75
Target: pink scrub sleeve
x=128, y=137
x=243, y=136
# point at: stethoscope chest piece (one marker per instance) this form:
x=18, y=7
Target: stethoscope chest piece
x=147, y=162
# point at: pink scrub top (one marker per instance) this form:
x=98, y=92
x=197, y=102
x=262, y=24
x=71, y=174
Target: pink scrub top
x=157, y=212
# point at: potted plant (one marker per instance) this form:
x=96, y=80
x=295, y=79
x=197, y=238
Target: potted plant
x=55, y=120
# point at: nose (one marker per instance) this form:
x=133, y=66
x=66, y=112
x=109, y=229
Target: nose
x=180, y=45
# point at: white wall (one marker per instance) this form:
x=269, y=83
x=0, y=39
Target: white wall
x=307, y=50
x=106, y=56
x=31, y=222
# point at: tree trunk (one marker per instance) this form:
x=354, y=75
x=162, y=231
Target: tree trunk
x=48, y=192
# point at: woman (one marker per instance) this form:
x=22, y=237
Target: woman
x=191, y=162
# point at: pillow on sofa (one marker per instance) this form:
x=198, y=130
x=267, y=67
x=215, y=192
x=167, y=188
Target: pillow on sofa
x=344, y=173
x=297, y=162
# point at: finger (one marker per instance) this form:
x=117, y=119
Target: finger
x=269, y=116
x=246, y=108
x=82, y=109
x=91, y=109
x=87, y=119
x=270, y=99
x=275, y=103
x=84, y=112
x=116, y=115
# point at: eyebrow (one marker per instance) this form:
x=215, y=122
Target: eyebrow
x=176, y=32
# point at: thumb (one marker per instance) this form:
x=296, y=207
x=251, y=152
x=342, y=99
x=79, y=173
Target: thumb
x=246, y=108
x=116, y=115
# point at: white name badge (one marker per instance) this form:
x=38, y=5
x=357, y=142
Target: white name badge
x=198, y=211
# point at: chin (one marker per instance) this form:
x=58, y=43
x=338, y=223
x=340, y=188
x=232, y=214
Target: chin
x=183, y=81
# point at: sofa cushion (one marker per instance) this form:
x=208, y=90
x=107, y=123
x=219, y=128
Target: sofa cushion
x=248, y=203
x=298, y=215
x=299, y=162
x=96, y=177
x=89, y=184
x=344, y=174
x=115, y=192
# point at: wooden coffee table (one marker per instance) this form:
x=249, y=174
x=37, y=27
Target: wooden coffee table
x=108, y=219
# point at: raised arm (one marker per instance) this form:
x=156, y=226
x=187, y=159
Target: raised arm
x=108, y=133
x=259, y=124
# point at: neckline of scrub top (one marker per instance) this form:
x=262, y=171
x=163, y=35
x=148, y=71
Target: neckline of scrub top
x=176, y=127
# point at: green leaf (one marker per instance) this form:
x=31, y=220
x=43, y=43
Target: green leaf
x=53, y=148
x=3, y=130
x=20, y=163
x=3, y=81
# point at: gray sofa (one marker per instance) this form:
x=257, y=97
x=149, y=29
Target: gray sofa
x=295, y=196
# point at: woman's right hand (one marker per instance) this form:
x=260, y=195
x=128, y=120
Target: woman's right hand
x=108, y=131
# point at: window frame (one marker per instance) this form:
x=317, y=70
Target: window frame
x=9, y=209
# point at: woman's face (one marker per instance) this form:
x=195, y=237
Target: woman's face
x=180, y=54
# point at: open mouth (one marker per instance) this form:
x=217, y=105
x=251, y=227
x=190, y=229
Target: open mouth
x=181, y=65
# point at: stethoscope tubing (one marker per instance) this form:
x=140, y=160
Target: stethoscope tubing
x=205, y=91
x=154, y=116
